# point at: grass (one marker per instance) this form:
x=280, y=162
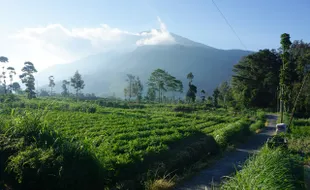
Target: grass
x=161, y=184
x=280, y=168
x=269, y=169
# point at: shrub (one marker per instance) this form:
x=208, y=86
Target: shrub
x=257, y=125
x=232, y=133
x=261, y=115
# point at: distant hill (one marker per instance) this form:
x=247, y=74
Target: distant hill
x=105, y=73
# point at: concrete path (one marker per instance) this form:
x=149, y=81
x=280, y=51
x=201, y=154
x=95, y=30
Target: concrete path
x=230, y=161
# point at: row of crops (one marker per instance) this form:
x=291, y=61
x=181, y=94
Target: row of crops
x=112, y=145
x=124, y=137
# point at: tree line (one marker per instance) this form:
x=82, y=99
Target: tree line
x=28, y=79
x=162, y=87
x=274, y=79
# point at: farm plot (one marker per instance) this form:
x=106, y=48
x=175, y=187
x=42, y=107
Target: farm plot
x=129, y=137
x=117, y=144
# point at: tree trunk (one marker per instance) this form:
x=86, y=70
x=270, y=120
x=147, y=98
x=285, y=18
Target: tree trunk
x=77, y=94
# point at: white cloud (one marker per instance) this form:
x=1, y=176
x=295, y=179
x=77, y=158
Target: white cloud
x=55, y=43
x=155, y=37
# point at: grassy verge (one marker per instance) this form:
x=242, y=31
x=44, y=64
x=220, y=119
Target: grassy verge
x=299, y=143
x=270, y=169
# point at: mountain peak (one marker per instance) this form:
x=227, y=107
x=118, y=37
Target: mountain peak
x=180, y=40
x=187, y=42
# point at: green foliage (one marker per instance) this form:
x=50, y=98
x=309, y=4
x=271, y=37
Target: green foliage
x=151, y=95
x=257, y=125
x=16, y=87
x=300, y=56
x=192, y=89
x=215, y=96
x=35, y=152
x=260, y=121
x=286, y=72
x=130, y=89
x=28, y=79
x=269, y=169
x=161, y=81
x=232, y=132
x=75, y=144
x=77, y=82
x=225, y=96
x=10, y=71
x=191, y=93
x=299, y=137
x=65, y=89
x=256, y=79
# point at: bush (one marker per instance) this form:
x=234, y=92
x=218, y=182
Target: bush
x=192, y=153
x=261, y=115
x=232, y=133
x=257, y=125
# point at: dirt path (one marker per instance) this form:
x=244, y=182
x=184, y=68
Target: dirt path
x=231, y=160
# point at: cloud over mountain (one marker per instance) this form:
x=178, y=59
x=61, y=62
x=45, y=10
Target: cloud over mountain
x=155, y=37
x=69, y=44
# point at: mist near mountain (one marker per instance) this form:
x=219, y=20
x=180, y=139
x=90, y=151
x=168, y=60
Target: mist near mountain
x=105, y=73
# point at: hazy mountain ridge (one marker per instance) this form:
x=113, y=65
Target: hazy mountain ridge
x=105, y=73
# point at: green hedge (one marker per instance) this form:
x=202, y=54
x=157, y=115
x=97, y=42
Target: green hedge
x=233, y=132
x=257, y=125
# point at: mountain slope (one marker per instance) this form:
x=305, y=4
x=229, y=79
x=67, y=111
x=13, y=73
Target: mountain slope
x=105, y=73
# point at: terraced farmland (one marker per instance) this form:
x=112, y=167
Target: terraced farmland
x=118, y=144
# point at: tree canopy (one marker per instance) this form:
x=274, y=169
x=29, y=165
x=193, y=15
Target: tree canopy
x=256, y=78
x=77, y=82
x=28, y=79
x=161, y=81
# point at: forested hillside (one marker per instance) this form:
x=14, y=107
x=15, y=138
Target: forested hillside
x=105, y=73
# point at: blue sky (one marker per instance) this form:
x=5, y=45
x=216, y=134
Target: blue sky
x=258, y=23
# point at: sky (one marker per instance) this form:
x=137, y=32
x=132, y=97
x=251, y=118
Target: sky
x=48, y=32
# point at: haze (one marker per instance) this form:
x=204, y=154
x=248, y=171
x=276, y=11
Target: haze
x=55, y=32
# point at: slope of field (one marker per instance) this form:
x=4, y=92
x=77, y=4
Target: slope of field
x=73, y=141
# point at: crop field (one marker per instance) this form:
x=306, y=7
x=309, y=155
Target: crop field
x=122, y=137
x=123, y=143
